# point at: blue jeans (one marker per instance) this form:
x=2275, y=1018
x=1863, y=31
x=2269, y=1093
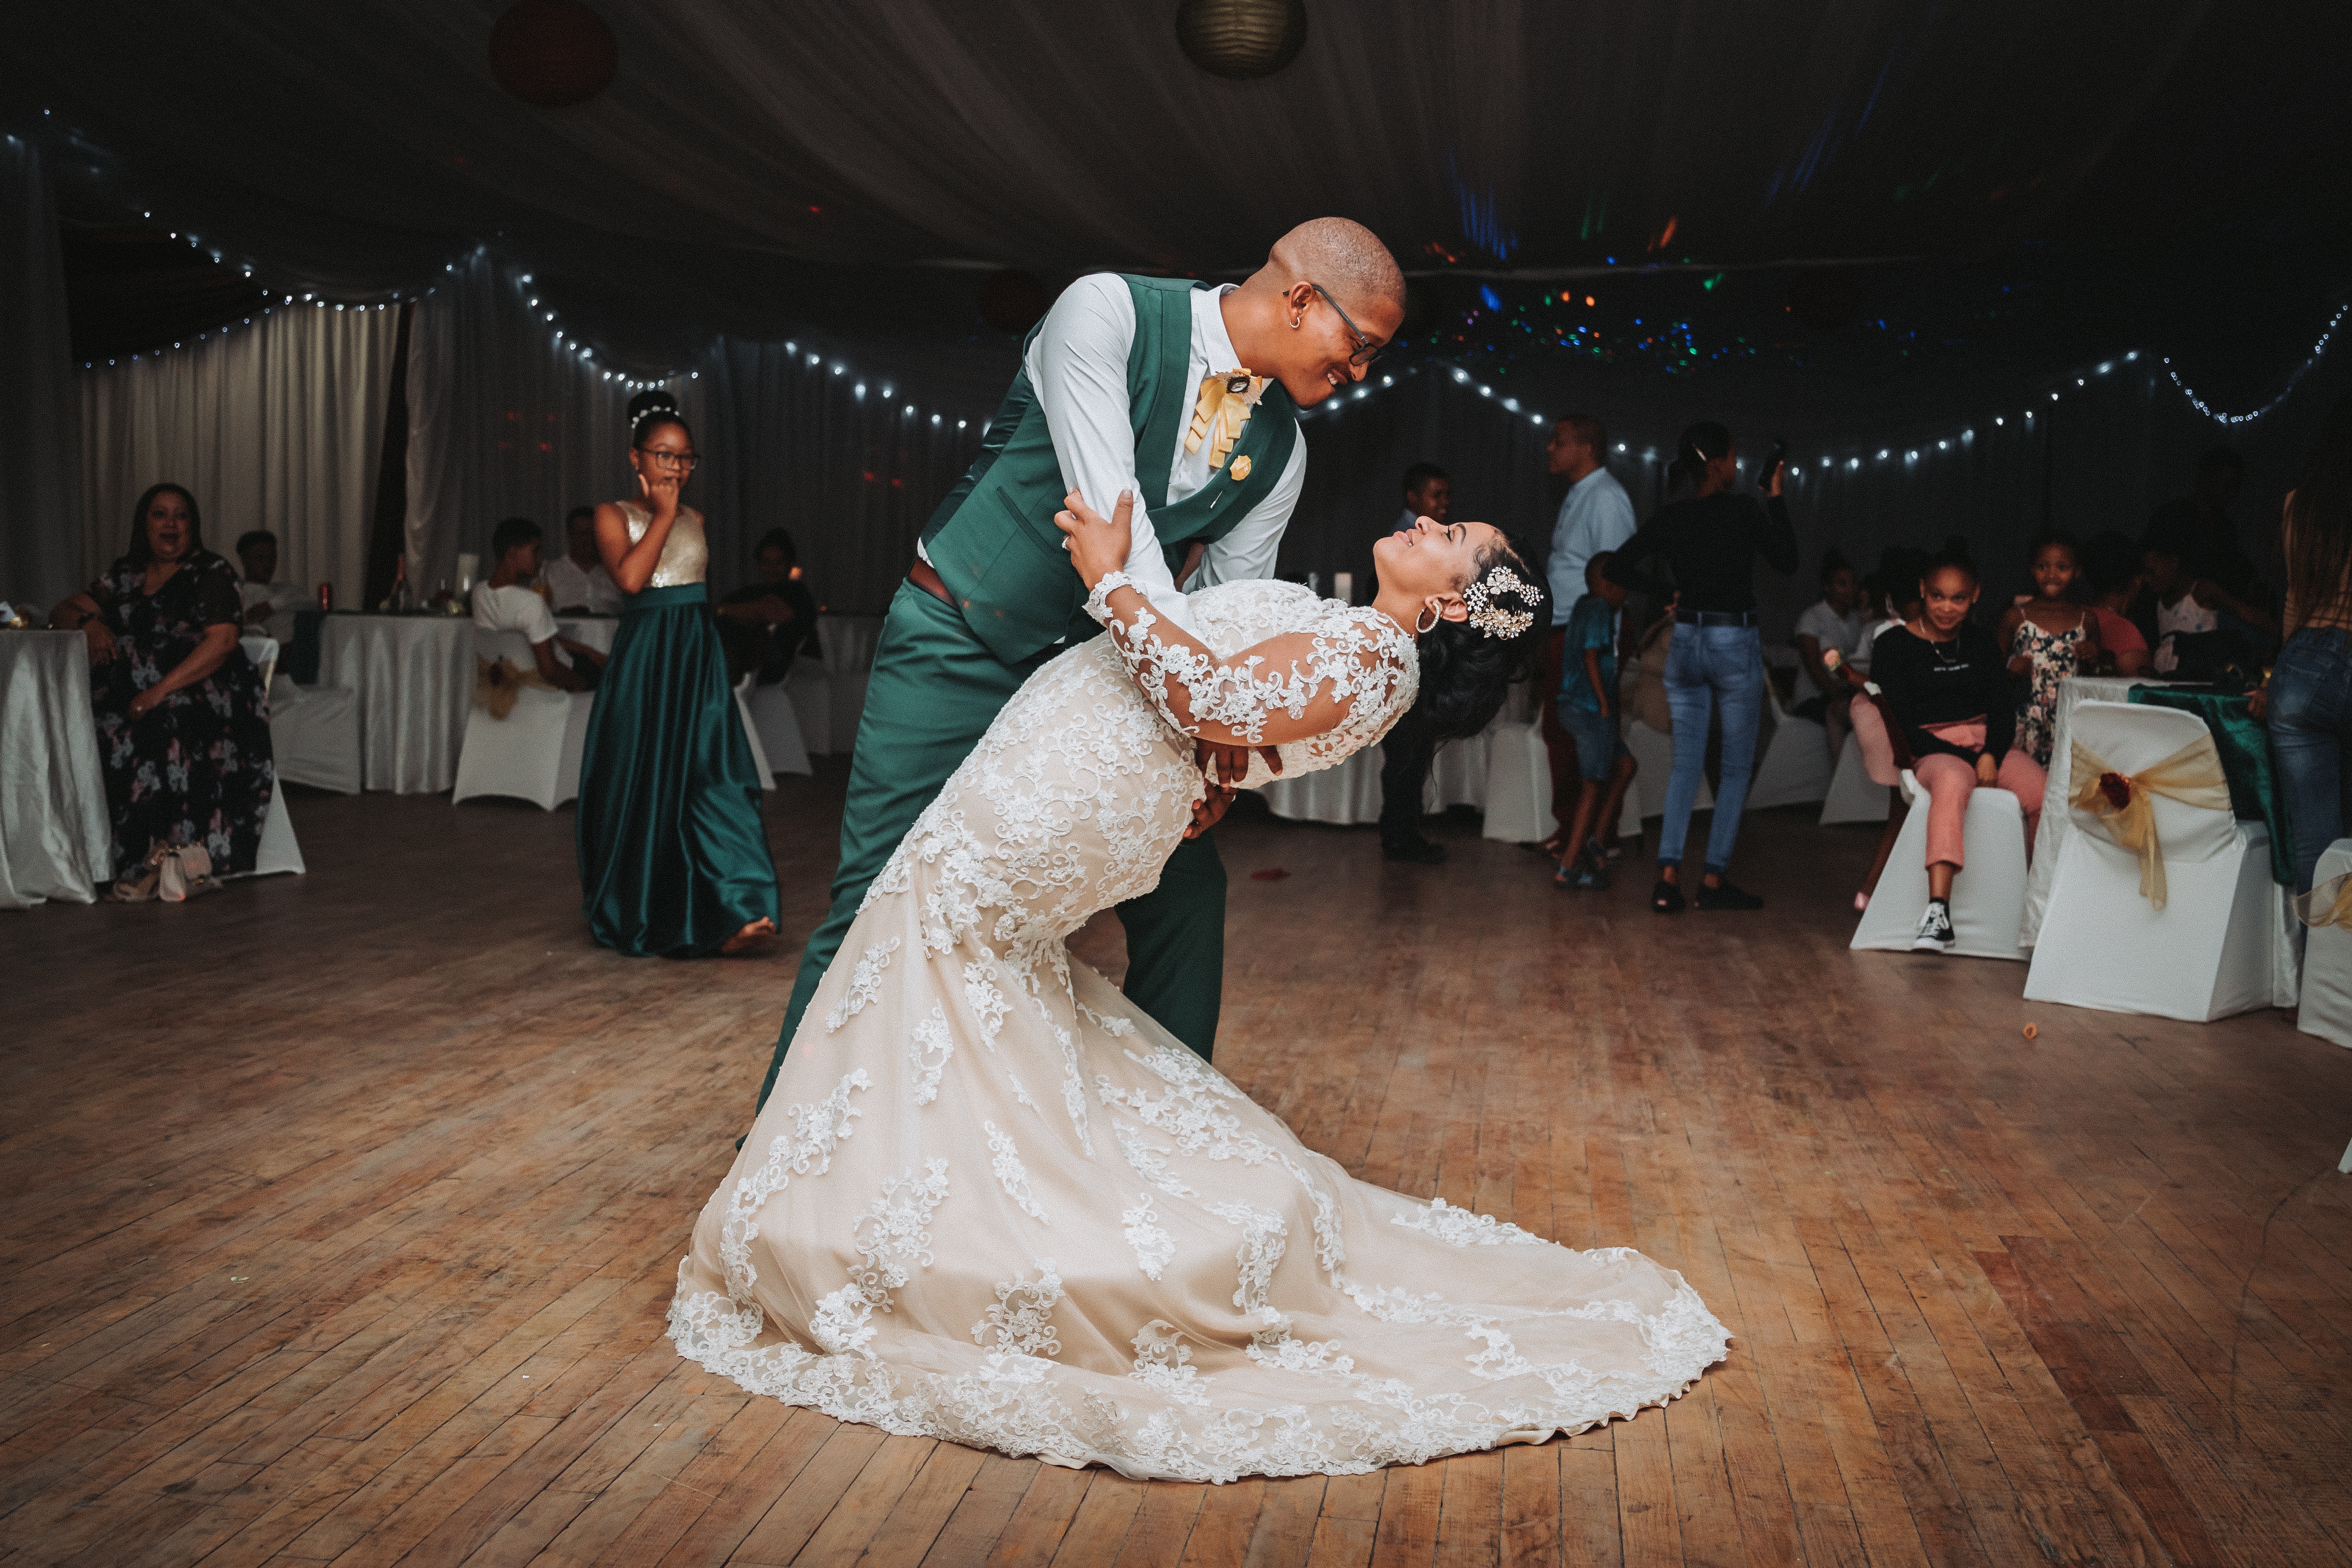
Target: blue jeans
x=2311, y=729
x=1706, y=665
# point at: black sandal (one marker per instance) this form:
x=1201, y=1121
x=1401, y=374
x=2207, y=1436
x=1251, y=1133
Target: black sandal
x=1666, y=899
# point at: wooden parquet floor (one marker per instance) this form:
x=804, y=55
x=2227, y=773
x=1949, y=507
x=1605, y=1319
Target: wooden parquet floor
x=341, y=1214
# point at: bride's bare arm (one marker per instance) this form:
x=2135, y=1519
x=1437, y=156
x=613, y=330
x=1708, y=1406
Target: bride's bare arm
x=1287, y=688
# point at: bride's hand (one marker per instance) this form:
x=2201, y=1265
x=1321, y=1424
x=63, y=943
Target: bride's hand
x=1098, y=546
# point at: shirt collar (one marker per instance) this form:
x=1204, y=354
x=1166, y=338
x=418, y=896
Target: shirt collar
x=1600, y=472
x=1211, y=343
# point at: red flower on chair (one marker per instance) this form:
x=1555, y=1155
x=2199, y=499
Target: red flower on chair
x=2116, y=788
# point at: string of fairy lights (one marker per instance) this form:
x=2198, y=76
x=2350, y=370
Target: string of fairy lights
x=1850, y=456
x=561, y=338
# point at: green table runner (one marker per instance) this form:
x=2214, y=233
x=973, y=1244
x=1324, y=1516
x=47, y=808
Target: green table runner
x=2245, y=750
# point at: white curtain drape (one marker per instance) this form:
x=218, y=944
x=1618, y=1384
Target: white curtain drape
x=40, y=482
x=277, y=424
x=504, y=421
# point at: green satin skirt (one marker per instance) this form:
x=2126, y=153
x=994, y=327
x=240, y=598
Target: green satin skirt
x=673, y=857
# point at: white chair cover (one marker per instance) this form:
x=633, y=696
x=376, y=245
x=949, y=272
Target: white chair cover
x=2213, y=950
x=1852, y=796
x=1796, y=768
x=1654, y=755
x=778, y=729
x=279, y=851
x=1518, y=785
x=1988, y=895
x=811, y=689
x=532, y=753
x=2327, y=1005
x=743, y=689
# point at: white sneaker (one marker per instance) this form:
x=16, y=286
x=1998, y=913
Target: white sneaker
x=1935, y=929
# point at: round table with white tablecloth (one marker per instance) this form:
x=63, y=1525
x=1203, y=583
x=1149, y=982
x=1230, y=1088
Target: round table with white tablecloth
x=415, y=676
x=2056, y=820
x=55, y=840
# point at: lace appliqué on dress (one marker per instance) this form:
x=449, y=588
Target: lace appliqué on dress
x=1022, y=1319
x=1462, y=1227
x=1010, y=1175
x=864, y=986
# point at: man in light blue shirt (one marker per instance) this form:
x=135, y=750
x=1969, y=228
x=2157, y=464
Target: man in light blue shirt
x=1597, y=515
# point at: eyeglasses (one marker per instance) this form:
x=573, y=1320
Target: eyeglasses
x=1366, y=351
x=683, y=461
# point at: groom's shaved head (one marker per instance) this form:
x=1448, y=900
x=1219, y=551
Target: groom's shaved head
x=1344, y=257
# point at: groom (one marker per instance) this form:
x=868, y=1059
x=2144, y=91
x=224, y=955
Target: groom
x=1188, y=396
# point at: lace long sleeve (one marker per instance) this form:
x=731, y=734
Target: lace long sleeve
x=1350, y=670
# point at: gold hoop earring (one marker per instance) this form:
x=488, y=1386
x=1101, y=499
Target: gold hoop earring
x=1419, y=630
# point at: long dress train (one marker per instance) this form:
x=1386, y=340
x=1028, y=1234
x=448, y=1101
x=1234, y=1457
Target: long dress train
x=989, y=1202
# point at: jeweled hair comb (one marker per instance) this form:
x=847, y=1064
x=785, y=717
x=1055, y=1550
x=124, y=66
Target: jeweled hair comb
x=1492, y=618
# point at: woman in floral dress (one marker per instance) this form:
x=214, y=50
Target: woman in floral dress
x=182, y=720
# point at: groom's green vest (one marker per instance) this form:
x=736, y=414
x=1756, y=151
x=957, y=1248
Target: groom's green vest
x=993, y=542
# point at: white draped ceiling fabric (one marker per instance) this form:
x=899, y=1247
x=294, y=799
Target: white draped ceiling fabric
x=276, y=424
x=505, y=421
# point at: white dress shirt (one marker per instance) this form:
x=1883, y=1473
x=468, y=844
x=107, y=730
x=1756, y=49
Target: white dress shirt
x=1077, y=365
x=571, y=584
x=1595, y=515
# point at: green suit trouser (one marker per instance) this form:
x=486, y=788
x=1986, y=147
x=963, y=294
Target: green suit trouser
x=934, y=691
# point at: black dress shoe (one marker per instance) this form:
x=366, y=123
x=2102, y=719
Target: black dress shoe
x=1665, y=898
x=1416, y=851
x=1727, y=897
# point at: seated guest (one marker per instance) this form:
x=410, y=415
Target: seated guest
x=2184, y=604
x=1835, y=622
x=1948, y=690
x=2200, y=523
x=2111, y=578
x=264, y=596
x=182, y=721
x=2049, y=638
x=770, y=621
x=577, y=582
x=502, y=603
x=1587, y=702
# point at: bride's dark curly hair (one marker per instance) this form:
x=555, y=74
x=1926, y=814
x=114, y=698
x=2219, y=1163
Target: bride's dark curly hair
x=1465, y=671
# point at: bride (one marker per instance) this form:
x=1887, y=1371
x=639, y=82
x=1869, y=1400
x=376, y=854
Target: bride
x=989, y=1202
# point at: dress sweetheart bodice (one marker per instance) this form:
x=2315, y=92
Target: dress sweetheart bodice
x=686, y=554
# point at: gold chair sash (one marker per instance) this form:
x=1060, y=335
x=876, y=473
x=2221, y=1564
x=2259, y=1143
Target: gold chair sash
x=2328, y=903
x=2120, y=803
x=497, y=682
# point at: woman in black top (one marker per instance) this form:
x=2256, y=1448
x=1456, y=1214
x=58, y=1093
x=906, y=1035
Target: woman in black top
x=1710, y=542
x=1948, y=688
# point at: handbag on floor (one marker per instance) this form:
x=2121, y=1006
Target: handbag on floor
x=172, y=872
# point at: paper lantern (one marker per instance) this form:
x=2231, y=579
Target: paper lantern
x=553, y=54
x=1241, y=38
x=1012, y=301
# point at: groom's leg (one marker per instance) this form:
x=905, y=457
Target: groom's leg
x=1176, y=945
x=933, y=693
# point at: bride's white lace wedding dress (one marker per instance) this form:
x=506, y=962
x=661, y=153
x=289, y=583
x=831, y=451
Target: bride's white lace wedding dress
x=989, y=1202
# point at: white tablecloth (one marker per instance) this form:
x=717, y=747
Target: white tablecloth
x=590, y=631
x=54, y=839
x=1350, y=793
x=847, y=642
x=2056, y=821
x=414, y=673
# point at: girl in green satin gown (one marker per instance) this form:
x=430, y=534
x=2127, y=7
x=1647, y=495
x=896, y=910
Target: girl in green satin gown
x=673, y=857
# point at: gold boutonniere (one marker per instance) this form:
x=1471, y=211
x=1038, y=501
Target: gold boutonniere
x=1223, y=406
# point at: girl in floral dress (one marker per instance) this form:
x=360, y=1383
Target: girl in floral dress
x=2048, y=637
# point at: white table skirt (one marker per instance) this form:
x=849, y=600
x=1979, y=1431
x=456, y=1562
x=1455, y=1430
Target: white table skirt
x=1350, y=793
x=847, y=642
x=590, y=631
x=414, y=675
x=2056, y=821
x=55, y=842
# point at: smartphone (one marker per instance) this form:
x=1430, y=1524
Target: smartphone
x=1779, y=454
